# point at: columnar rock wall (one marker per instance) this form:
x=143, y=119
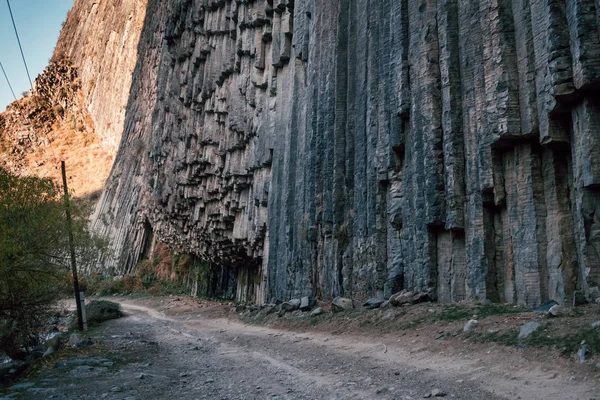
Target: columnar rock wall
x=356, y=147
x=101, y=37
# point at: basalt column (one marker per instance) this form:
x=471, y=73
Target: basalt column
x=355, y=148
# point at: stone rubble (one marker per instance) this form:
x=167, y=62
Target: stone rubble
x=527, y=329
x=470, y=325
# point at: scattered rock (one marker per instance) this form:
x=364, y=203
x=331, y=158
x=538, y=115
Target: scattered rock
x=54, y=341
x=419, y=297
x=493, y=331
x=48, y=351
x=105, y=362
x=596, y=324
x=470, y=325
x=401, y=298
x=382, y=390
x=527, y=329
x=545, y=307
x=87, y=370
x=84, y=343
x=434, y=393
x=290, y=305
x=406, y=297
x=73, y=339
x=240, y=308
x=341, y=304
x=598, y=366
x=270, y=309
x=558, y=311
x=373, y=303
x=307, y=303
x=316, y=311
x=582, y=352
x=280, y=310
x=385, y=304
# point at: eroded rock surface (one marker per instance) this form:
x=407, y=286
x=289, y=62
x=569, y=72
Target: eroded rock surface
x=101, y=37
x=356, y=148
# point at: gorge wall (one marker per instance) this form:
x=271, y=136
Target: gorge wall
x=101, y=38
x=76, y=108
x=355, y=147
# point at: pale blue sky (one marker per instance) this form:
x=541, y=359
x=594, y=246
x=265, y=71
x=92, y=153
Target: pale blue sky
x=38, y=23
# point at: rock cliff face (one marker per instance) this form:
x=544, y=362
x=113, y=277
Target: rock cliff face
x=76, y=109
x=51, y=124
x=101, y=37
x=355, y=147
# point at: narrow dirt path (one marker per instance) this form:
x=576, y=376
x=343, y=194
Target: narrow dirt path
x=193, y=356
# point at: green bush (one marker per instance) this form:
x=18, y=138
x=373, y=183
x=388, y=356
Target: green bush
x=98, y=311
x=34, y=257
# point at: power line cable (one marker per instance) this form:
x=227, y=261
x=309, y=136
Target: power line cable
x=19, y=41
x=7, y=81
x=26, y=69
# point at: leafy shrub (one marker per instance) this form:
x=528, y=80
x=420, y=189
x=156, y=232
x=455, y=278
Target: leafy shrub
x=98, y=311
x=34, y=257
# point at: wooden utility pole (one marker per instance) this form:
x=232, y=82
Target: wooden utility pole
x=72, y=249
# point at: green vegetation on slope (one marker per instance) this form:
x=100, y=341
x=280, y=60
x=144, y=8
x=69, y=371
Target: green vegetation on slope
x=34, y=257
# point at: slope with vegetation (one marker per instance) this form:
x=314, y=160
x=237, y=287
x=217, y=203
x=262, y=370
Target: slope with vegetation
x=34, y=257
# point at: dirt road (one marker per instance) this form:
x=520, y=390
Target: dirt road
x=193, y=355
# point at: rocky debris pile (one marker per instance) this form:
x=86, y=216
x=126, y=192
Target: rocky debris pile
x=307, y=303
x=57, y=337
x=551, y=309
x=54, y=338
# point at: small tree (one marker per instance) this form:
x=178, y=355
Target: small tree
x=33, y=256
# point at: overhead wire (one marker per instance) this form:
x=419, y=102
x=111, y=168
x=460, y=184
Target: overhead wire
x=8, y=81
x=19, y=41
x=51, y=147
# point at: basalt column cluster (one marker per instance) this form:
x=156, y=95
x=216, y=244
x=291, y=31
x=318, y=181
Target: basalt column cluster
x=356, y=147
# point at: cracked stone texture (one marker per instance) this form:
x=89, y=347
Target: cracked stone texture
x=354, y=148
